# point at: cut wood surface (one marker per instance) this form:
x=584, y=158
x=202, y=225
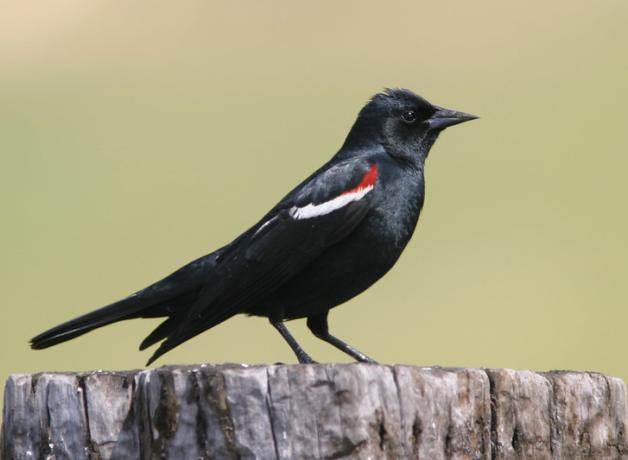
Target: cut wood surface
x=314, y=411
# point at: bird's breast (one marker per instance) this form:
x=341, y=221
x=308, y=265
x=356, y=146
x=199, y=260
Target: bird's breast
x=396, y=210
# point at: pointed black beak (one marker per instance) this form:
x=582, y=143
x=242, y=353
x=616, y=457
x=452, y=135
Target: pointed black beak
x=444, y=118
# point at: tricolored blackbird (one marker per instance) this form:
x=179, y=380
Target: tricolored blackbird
x=328, y=240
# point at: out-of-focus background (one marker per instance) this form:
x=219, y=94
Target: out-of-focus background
x=135, y=137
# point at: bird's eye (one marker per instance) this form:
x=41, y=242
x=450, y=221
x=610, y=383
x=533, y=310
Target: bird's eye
x=409, y=116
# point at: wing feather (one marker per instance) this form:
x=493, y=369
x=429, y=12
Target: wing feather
x=277, y=248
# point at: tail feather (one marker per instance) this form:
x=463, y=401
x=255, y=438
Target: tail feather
x=173, y=341
x=161, y=332
x=124, y=309
x=160, y=299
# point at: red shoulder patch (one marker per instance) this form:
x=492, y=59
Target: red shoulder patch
x=368, y=180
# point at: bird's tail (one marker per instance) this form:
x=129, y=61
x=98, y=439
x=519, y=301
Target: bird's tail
x=166, y=297
x=127, y=308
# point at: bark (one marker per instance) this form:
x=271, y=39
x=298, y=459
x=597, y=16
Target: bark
x=314, y=411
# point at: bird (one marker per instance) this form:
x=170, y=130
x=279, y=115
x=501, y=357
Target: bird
x=328, y=240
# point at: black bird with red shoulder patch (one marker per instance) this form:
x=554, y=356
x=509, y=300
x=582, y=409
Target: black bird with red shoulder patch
x=329, y=239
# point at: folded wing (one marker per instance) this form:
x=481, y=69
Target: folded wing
x=319, y=213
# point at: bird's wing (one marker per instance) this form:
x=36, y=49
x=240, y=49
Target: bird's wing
x=317, y=214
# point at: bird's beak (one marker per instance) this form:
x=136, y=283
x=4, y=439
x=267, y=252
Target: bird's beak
x=444, y=118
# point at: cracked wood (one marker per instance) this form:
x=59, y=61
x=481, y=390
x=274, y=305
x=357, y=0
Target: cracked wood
x=314, y=411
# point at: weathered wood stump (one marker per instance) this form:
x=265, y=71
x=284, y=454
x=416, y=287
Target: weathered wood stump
x=314, y=411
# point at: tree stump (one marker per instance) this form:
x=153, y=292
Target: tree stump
x=314, y=411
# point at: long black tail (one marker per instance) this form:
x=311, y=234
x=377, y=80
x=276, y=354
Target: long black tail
x=124, y=309
x=168, y=297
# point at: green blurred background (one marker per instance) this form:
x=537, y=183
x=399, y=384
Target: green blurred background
x=135, y=137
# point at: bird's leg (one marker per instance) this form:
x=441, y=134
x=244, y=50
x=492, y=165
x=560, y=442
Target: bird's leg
x=318, y=326
x=302, y=356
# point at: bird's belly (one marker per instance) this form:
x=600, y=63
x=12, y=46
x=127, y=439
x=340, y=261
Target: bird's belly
x=340, y=273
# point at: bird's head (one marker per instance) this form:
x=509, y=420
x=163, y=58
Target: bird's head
x=405, y=123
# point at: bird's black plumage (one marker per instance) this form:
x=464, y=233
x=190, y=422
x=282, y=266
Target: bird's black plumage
x=329, y=239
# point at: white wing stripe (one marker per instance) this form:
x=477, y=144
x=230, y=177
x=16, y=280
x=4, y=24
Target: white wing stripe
x=263, y=226
x=315, y=210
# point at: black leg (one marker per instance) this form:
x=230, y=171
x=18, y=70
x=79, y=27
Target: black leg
x=318, y=326
x=302, y=356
